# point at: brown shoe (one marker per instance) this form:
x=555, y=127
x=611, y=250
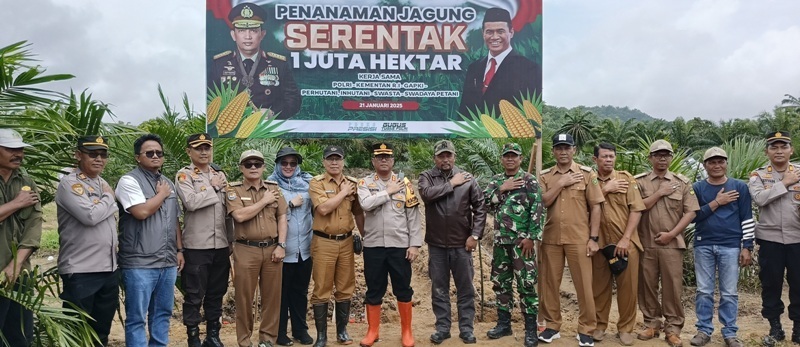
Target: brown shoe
x=648, y=333
x=626, y=339
x=673, y=340
x=733, y=342
x=598, y=334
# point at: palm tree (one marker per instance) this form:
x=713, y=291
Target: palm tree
x=619, y=133
x=580, y=124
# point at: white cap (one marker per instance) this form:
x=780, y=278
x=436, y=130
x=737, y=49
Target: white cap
x=9, y=138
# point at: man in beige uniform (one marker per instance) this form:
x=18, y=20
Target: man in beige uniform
x=334, y=198
x=259, y=212
x=206, y=242
x=572, y=196
x=621, y=214
x=670, y=206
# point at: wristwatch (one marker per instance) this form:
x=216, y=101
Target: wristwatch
x=594, y=238
x=474, y=237
x=282, y=245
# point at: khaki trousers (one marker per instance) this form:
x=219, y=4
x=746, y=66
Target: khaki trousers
x=666, y=263
x=627, y=291
x=333, y=267
x=254, y=268
x=551, y=272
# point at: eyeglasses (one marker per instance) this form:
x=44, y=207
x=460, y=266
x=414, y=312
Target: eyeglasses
x=153, y=154
x=383, y=157
x=289, y=163
x=94, y=155
x=253, y=164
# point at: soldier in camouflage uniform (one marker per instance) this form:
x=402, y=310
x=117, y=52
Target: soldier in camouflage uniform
x=516, y=202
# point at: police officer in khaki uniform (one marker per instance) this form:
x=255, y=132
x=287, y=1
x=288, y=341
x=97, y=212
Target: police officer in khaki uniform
x=87, y=237
x=670, y=205
x=206, y=242
x=776, y=192
x=622, y=212
x=572, y=196
x=392, y=237
x=334, y=198
x=259, y=213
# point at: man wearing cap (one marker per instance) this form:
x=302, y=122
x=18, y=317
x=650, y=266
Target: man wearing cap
x=670, y=205
x=150, y=244
x=515, y=200
x=266, y=76
x=455, y=215
x=21, y=227
x=335, y=200
x=503, y=74
x=572, y=196
x=259, y=214
x=392, y=237
x=723, y=241
x=776, y=192
x=87, y=237
x=621, y=214
x=206, y=242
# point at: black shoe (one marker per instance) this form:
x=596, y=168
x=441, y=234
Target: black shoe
x=193, y=335
x=585, y=340
x=796, y=336
x=439, y=336
x=284, y=340
x=776, y=329
x=548, y=335
x=503, y=327
x=212, y=334
x=303, y=338
x=467, y=337
x=531, y=327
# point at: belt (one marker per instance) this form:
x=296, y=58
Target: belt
x=261, y=244
x=333, y=237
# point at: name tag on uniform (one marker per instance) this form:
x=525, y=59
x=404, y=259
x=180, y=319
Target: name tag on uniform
x=330, y=191
x=246, y=198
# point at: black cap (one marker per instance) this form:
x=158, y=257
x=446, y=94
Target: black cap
x=331, y=150
x=288, y=151
x=247, y=15
x=196, y=140
x=563, y=139
x=93, y=142
x=496, y=14
x=779, y=136
x=616, y=264
x=382, y=148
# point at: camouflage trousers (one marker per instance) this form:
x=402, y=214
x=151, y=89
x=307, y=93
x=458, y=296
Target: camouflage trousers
x=508, y=263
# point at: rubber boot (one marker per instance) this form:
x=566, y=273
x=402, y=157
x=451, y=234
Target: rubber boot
x=374, y=321
x=531, y=328
x=407, y=335
x=321, y=322
x=212, y=334
x=342, y=318
x=503, y=327
x=193, y=335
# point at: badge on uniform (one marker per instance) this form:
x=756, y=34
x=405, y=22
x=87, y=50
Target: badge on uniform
x=399, y=204
x=82, y=176
x=231, y=195
x=181, y=177
x=25, y=188
x=77, y=189
x=797, y=196
x=362, y=182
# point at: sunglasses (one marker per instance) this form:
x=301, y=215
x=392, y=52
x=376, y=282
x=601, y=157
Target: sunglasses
x=153, y=154
x=289, y=163
x=94, y=155
x=253, y=164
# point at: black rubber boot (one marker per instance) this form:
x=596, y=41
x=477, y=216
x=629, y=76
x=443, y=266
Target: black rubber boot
x=321, y=322
x=531, y=326
x=193, y=335
x=212, y=335
x=776, y=329
x=342, y=318
x=503, y=327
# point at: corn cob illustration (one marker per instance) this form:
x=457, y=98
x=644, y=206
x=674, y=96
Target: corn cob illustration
x=516, y=123
x=232, y=114
x=531, y=112
x=213, y=110
x=493, y=127
x=249, y=125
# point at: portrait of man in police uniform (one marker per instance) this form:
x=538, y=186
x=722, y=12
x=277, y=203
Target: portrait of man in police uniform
x=266, y=76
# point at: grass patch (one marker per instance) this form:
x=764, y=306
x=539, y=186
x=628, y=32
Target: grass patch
x=49, y=243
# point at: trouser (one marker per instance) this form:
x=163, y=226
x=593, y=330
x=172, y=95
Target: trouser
x=552, y=270
x=333, y=267
x=294, y=296
x=205, y=280
x=149, y=297
x=458, y=261
x=380, y=263
x=16, y=323
x=254, y=268
x=507, y=264
x=627, y=291
x=97, y=294
x=710, y=261
x=775, y=260
x=665, y=264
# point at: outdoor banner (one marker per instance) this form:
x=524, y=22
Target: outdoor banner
x=374, y=68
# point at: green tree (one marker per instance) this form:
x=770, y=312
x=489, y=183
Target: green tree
x=580, y=124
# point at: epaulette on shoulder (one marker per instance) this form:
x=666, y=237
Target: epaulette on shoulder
x=351, y=179
x=625, y=173
x=546, y=170
x=276, y=56
x=318, y=177
x=683, y=178
x=270, y=182
x=586, y=168
x=234, y=184
x=641, y=174
x=220, y=55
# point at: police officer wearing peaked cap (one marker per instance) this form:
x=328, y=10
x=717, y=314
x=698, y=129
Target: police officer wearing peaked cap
x=267, y=76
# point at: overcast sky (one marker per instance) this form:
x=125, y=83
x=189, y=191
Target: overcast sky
x=717, y=59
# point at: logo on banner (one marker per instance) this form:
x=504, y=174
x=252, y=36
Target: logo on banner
x=395, y=127
x=362, y=127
